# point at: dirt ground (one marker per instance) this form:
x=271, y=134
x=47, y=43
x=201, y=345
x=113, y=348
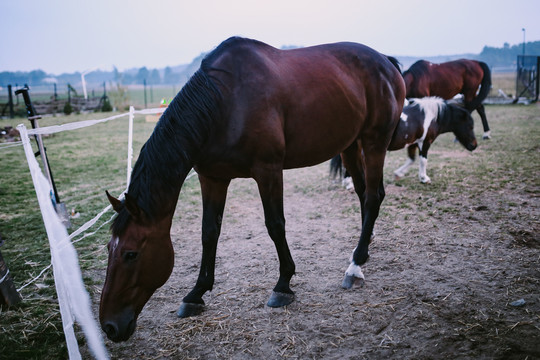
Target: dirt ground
x=442, y=277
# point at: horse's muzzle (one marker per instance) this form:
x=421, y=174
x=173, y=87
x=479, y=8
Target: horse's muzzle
x=121, y=328
x=472, y=145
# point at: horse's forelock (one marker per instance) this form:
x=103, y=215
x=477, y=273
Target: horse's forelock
x=120, y=222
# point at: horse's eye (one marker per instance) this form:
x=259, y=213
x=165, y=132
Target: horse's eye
x=130, y=256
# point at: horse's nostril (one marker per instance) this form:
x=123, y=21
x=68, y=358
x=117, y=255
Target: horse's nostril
x=111, y=330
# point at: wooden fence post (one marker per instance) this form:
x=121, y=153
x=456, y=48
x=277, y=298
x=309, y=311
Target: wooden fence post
x=10, y=102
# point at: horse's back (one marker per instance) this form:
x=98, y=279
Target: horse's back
x=304, y=105
x=445, y=80
x=242, y=64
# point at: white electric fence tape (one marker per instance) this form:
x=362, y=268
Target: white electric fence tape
x=82, y=124
x=130, y=145
x=73, y=298
x=11, y=144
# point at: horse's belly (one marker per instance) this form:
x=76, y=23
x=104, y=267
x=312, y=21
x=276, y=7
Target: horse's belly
x=319, y=142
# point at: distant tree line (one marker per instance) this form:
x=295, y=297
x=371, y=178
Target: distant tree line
x=21, y=77
x=39, y=77
x=495, y=57
x=507, y=55
x=151, y=76
x=167, y=76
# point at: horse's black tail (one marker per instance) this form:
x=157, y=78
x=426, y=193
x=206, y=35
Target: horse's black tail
x=394, y=62
x=485, y=87
x=336, y=169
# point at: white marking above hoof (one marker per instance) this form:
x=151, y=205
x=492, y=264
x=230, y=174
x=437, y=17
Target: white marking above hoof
x=354, y=277
x=354, y=270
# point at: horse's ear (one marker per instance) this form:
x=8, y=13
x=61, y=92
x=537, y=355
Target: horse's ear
x=132, y=207
x=116, y=204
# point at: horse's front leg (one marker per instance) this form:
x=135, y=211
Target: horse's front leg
x=422, y=166
x=214, y=193
x=270, y=183
x=401, y=171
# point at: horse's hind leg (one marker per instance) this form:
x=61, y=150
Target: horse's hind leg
x=367, y=174
x=355, y=170
x=270, y=183
x=482, y=112
x=214, y=193
x=402, y=170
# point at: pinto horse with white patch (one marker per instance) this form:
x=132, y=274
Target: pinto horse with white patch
x=250, y=111
x=421, y=122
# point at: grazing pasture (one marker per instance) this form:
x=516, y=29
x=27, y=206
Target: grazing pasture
x=448, y=261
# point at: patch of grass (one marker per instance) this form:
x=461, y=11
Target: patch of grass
x=87, y=162
x=84, y=163
x=462, y=181
x=504, y=81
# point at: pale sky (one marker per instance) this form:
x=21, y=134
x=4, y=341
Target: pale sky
x=59, y=36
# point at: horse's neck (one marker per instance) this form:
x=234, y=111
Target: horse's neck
x=169, y=194
x=176, y=144
x=444, y=120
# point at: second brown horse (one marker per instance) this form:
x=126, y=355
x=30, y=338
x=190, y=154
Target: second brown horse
x=251, y=110
x=470, y=78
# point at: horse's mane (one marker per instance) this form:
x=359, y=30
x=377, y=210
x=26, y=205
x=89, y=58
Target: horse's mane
x=173, y=147
x=431, y=105
x=418, y=69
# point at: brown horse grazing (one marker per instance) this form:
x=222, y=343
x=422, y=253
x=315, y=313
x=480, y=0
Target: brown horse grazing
x=250, y=111
x=449, y=79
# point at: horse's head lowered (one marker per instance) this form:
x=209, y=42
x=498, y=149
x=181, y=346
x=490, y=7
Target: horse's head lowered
x=463, y=126
x=141, y=260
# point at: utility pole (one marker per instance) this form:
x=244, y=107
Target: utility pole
x=145, y=102
x=523, y=29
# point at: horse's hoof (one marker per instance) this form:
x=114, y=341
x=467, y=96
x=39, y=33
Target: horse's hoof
x=351, y=281
x=279, y=299
x=189, y=309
